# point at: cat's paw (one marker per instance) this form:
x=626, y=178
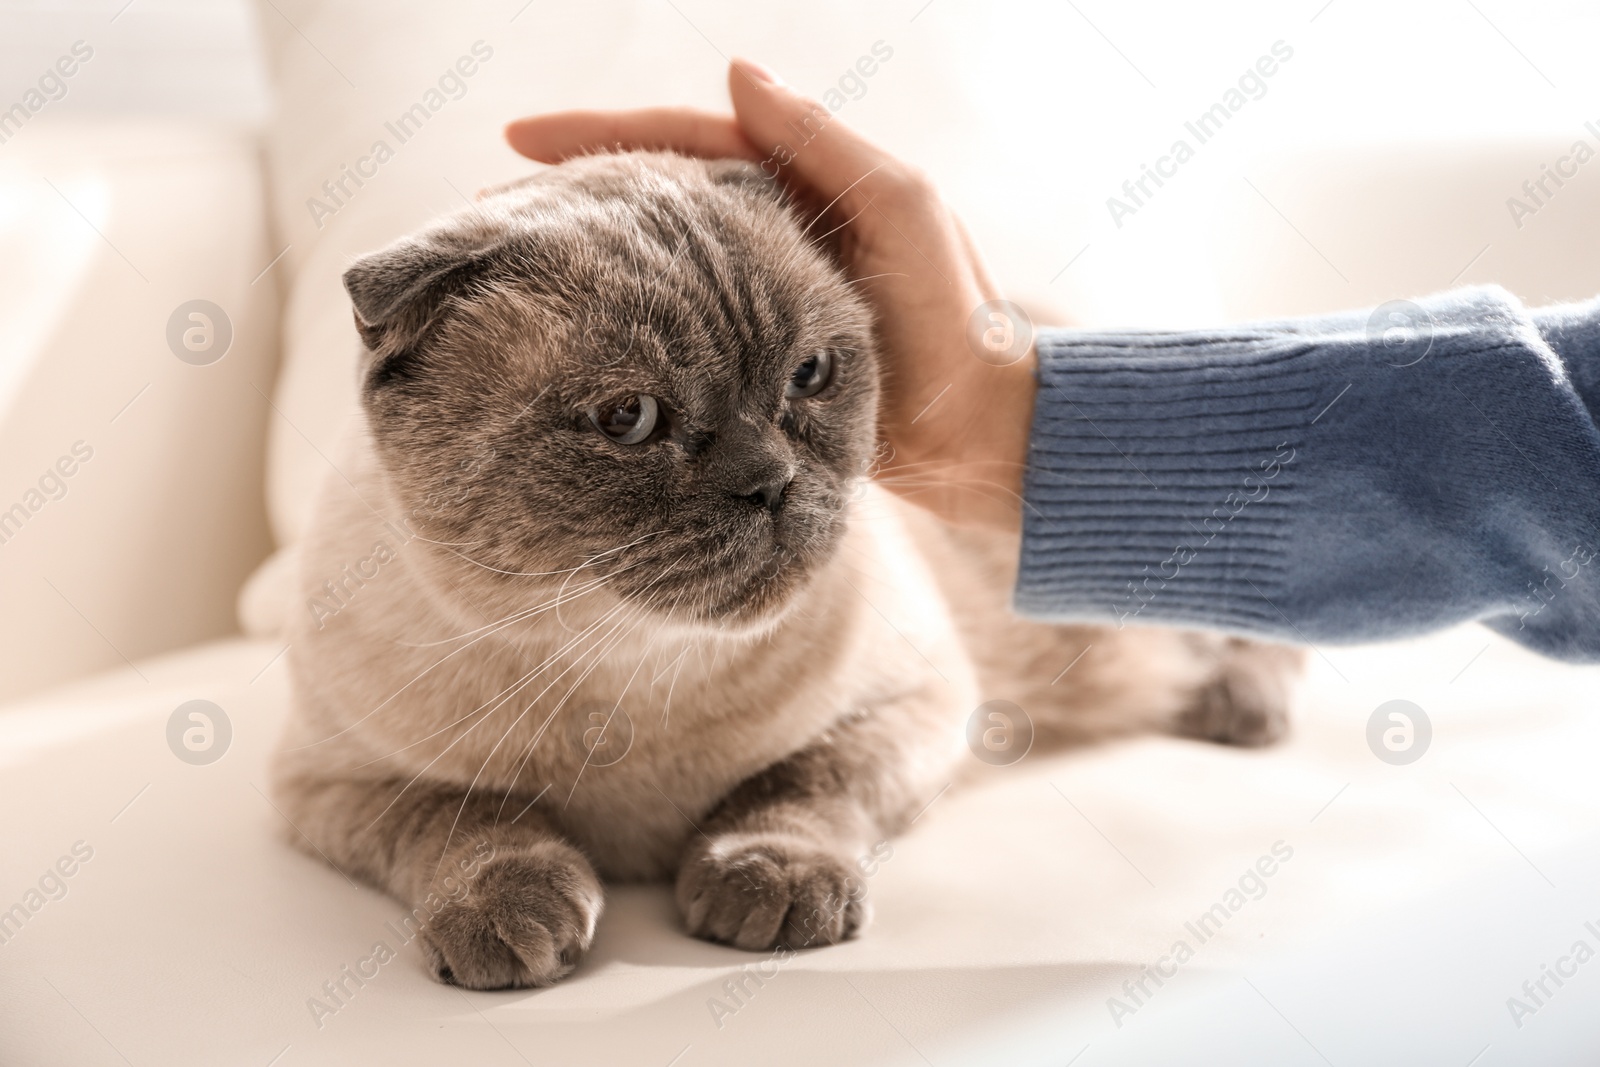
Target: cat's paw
x=761, y=891
x=525, y=919
x=1247, y=702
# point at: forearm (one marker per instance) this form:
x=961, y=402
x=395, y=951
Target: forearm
x=1313, y=480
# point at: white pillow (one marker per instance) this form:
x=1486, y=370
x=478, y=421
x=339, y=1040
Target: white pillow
x=130, y=479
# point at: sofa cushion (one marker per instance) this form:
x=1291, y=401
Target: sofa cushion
x=131, y=481
x=1006, y=923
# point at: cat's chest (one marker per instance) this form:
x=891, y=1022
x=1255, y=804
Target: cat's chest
x=643, y=785
x=631, y=757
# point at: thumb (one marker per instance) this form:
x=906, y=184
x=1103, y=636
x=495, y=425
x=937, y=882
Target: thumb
x=797, y=133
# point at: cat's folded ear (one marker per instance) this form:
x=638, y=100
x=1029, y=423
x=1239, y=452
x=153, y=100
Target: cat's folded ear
x=395, y=291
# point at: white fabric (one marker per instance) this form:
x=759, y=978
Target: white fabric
x=106, y=227
x=1006, y=919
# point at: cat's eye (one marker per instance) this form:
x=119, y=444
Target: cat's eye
x=810, y=377
x=629, y=422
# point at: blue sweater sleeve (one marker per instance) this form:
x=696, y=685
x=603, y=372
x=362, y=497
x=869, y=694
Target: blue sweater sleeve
x=1358, y=476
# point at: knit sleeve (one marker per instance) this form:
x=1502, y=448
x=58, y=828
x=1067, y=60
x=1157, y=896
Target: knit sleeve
x=1358, y=476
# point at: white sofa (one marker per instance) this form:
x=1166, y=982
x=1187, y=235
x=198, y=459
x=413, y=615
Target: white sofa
x=1012, y=925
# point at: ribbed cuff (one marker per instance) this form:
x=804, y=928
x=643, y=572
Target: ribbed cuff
x=1163, y=469
x=1359, y=476
x=1573, y=332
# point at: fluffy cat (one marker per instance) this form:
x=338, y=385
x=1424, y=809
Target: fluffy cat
x=603, y=591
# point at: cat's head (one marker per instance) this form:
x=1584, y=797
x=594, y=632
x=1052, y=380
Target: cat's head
x=632, y=369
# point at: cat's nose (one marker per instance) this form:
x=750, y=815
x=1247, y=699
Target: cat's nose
x=768, y=493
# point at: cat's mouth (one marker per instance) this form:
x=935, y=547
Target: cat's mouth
x=747, y=580
x=765, y=593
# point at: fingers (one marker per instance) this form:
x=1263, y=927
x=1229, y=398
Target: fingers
x=802, y=135
x=980, y=270
x=563, y=134
x=775, y=125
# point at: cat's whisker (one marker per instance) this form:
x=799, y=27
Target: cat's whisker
x=490, y=631
x=823, y=213
x=615, y=705
x=677, y=669
x=561, y=591
x=817, y=241
x=539, y=734
x=507, y=692
x=516, y=574
x=562, y=622
x=590, y=561
x=666, y=708
x=520, y=615
x=525, y=613
x=971, y=485
x=549, y=719
x=465, y=733
x=467, y=796
x=942, y=464
x=933, y=465
x=602, y=647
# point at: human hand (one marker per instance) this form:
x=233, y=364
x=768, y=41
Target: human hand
x=957, y=423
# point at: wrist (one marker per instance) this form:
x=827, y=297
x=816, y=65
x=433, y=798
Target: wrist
x=967, y=464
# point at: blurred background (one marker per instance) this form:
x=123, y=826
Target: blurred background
x=182, y=182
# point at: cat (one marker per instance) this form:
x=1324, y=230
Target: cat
x=603, y=590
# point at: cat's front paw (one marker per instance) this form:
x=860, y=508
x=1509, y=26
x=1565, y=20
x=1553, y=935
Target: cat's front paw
x=760, y=891
x=525, y=919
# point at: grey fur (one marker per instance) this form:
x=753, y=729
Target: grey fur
x=796, y=667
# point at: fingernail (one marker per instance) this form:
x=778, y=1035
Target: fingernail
x=756, y=72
